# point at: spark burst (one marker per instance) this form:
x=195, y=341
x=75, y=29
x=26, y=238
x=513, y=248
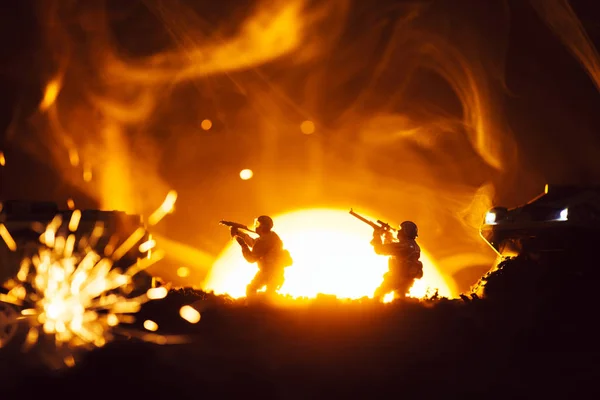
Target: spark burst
x=67, y=291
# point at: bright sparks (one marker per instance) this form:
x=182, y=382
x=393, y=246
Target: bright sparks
x=150, y=325
x=8, y=239
x=50, y=94
x=246, y=174
x=157, y=293
x=190, y=314
x=332, y=255
x=67, y=291
x=74, y=295
x=166, y=207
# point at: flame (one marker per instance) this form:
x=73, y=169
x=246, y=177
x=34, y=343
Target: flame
x=100, y=109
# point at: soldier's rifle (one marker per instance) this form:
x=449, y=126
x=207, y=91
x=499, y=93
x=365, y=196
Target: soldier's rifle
x=235, y=225
x=380, y=225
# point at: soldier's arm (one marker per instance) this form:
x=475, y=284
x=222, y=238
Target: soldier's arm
x=388, y=237
x=247, y=238
x=384, y=249
x=257, y=252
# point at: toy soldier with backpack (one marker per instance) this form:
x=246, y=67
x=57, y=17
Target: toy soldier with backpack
x=267, y=251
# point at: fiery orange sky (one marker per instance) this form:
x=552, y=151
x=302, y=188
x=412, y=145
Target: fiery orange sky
x=399, y=109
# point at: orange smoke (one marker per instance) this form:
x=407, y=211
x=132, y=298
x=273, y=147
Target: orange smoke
x=99, y=105
x=560, y=17
x=329, y=104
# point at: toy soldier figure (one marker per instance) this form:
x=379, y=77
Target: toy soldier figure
x=267, y=251
x=404, y=264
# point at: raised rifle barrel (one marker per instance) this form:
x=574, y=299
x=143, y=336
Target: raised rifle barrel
x=363, y=219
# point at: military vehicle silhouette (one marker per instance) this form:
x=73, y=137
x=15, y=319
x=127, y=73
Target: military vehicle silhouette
x=558, y=220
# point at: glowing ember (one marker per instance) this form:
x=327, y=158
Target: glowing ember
x=150, y=325
x=166, y=207
x=2, y=159
x=74, y=222
x=190, y=314
x=147, y=246
x=157, y=293
x=332, y=255
x=246, y=174
x=5, y=235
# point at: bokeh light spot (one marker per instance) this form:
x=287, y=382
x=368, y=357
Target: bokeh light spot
x=190, y=314
x=87, y=173
x=150, y=325
x=246, y=174
x=206, y=124
x=307, y=127
x=73, y=157
x=183, y=272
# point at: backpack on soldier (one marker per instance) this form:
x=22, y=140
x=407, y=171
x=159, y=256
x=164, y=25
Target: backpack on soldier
x=285, y=258
x=416, y=270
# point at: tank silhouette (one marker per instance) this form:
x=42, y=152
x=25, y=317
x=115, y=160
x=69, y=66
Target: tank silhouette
x=559, y=220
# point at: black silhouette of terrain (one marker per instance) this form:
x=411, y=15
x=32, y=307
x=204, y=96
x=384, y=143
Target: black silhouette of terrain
x=526, y=331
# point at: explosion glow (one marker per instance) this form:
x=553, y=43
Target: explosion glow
x=388, y=106
x=68, y=291
x=332, y=255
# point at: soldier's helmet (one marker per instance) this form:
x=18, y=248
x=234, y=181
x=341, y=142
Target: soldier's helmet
x=409, y=229
x=264, y=223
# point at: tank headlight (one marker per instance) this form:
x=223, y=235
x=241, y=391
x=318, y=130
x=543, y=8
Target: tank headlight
x=564, y=215
x=490, y=218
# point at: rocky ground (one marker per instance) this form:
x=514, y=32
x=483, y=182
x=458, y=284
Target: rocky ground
x=525, y=331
